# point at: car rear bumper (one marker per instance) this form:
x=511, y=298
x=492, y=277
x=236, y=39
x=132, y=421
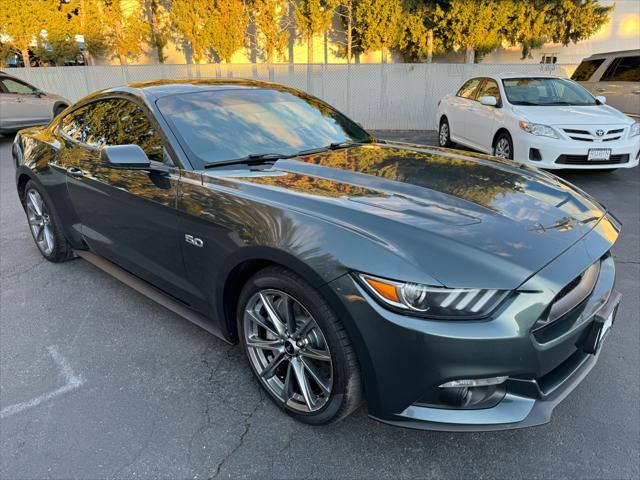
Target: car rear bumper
x=560, y=153
x=404, y=360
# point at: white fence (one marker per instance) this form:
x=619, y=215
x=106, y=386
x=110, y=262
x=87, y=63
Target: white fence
x=390, y=97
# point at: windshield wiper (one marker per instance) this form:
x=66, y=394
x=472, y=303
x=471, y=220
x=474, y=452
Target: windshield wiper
x=331, y=146
x=251, y=159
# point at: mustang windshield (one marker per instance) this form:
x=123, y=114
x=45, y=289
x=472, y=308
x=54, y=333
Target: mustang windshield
x=219, y=126
x=543, y=91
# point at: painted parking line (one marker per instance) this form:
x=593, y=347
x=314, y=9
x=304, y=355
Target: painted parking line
x=72, y=380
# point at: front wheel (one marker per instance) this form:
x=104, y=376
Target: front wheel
x=444, y=134
x=297, y=348
x=503, y=146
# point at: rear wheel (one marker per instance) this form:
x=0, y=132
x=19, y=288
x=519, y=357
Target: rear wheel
x=503, y=146
x=58, y=110
x=297, y=348
x=444, y=134
x=44, y=225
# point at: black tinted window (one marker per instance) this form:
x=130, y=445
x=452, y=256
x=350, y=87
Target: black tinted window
x=114, y=121
x=215, y=126
x=624, y=69
x=468, y=89
x=585, y=70
x=489, y=89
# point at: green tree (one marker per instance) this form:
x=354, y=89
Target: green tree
x=23, y=21
x=271, y=21
x=314, y=17
x=58, y=45
x=419, y=39
x=125, y=32
x=473, y=25
x=227, y=28
x=157, y=16
x=191, y=21
x=380, y=24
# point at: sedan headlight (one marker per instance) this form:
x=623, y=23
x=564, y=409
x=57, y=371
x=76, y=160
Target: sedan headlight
x=634, y=130
x=538, y=129
x=433, y=302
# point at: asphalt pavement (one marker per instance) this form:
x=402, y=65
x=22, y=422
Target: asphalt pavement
x=97, y=381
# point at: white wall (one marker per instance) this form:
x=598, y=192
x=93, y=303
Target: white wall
x=386, y=97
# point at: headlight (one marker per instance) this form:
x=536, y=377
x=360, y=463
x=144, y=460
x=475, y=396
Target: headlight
x=433, y=302
x=634, y=130
x=538, y=129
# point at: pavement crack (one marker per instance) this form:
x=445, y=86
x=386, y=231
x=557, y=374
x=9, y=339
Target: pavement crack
x=26, y=270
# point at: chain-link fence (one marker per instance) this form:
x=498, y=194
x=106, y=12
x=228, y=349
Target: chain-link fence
x=383, y=96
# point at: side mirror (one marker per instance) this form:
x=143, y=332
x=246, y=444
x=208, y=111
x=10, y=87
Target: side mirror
x=602, y=100
x=489, y=101
x=130, y=157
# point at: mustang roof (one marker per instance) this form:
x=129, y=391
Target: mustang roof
x=161, y=88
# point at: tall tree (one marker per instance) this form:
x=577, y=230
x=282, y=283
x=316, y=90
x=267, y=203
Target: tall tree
x=473, y=25
x=23, y=21
x=227, y=28
x=314, y=17
x=419, y=41
x=271, y=21
x=191, y=20
x=346, y=11
x=57, y=45
x=380, y=24
x=157, y=16
x=125, y=32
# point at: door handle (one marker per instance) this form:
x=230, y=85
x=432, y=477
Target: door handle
x=75, y=172
x=601, y=89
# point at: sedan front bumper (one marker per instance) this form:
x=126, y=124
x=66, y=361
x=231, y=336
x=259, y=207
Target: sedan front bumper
x=404, y=359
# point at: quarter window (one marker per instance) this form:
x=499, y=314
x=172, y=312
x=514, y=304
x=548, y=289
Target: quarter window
x=489, y=89
x=623, y=69
x=469, y=88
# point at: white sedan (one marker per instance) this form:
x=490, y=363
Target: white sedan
x=541, y=120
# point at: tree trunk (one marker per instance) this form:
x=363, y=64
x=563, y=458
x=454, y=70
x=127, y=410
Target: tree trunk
x=383, y=54
x=349, y=31
x=430, y=45
x=469, y=55
x=310, y=49
x=25, y=57
x=154, y=31
x=122, y=58
x=292, y=36
x=270, y=56
x=326, y=48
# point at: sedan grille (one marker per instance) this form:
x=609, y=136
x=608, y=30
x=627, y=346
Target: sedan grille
x=594, y=135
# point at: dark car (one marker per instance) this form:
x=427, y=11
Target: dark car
x=454, y=291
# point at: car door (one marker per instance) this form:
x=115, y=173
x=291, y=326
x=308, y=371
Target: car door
x=620, y=83
x=21, y=105
x=482, y=118
x=460, y=107
x=127, y=216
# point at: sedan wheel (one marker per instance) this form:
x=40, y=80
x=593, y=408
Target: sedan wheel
x=288, y=350
x=40, y=222
x=503, y=147
x=297, y=347
x=444, y=134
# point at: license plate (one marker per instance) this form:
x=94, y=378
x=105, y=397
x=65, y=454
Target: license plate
x=599, y=154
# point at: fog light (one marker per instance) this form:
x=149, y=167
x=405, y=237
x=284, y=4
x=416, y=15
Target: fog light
x=474, y=382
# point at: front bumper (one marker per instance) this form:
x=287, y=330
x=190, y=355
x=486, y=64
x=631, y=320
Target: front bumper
x=403, y=359
x=562, y=153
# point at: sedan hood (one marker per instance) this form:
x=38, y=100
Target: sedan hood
x=572, y=115
x=455, y=216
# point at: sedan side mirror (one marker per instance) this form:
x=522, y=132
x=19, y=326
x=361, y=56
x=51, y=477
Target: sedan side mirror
x=602, y=100
x=130, y=157
x=489, y=101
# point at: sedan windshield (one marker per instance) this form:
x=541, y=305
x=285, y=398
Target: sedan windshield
x=545, y=91
x=219, y=126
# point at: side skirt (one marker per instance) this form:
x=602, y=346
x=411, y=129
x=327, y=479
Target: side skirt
x=151, y=292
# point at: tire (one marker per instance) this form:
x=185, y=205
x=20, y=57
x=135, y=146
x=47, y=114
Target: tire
x=313, y=346
x=58, y=110
x=45, y=225
x=444, y=134
x=503, y=146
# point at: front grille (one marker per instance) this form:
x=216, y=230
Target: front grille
x=592, y=136
x=611, y=139
x=579, y=132
x=582, y=160
x=581, y=139
x=619, y=130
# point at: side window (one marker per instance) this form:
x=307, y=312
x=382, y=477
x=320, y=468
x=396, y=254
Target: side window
x=75, y=123
x=468, y=89
x=14, y=86
x=585, y=70
x=489, y=89
x=117, y=121
x=624, y=69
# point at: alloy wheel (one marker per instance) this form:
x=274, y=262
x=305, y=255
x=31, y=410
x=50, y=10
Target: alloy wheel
x=288, y=350
x=503, y=149
x=40, y=222
x=444, y=134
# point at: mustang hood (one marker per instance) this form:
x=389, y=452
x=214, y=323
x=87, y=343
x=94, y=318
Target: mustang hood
x=452, y=215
